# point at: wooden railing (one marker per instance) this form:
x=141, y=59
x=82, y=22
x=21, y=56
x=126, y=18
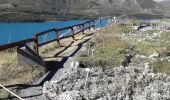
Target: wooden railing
x=84, y=26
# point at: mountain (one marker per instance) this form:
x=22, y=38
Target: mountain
x=165, y=4
x=49, y=10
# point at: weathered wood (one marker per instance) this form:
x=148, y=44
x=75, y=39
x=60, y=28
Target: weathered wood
x=83, y=29
x=72, y=32
x=57, y=38
x=27, y=57
x=36, y=49
x=89, y=26
x=11, y=45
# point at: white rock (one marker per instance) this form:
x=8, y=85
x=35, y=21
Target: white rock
x=139, y=41
x=74, y=64
x=87, y=69
x=152, y=75
x=146, y=65
x=146, y=70
x=70, y=95
x=51, y=89
x=141, y=56
x=154, y=55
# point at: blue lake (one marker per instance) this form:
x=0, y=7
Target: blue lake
x=12, y=32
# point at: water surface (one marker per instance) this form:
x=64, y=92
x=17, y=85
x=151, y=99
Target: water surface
x=12, y=32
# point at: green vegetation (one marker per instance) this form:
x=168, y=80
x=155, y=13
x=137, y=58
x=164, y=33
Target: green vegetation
x=55, y=10
x=109, y=49
x=38, y=16
x=161, y=66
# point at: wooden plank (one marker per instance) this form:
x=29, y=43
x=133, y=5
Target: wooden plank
x=57, y=38
x=72, y=32
x=19, y=43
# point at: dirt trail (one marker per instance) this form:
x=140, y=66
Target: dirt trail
x=34, y=92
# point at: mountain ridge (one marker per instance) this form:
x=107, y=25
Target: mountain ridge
x=87, y=8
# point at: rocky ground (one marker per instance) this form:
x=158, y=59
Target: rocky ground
x=138, y=83
x=143, y=77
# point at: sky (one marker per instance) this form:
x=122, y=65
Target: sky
x=159, y=0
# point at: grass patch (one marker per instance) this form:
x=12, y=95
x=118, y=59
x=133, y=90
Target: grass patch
x=152, y=31
x=116, y=29
x=161, y=66
x=148, y=49
x=105, y=50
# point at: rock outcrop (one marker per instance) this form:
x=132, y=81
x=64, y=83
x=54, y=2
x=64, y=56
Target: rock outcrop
x=120, y=83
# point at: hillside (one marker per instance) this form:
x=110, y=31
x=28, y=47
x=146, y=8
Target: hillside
x=50, y=10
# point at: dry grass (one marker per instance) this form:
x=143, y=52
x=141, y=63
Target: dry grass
x=11, y=73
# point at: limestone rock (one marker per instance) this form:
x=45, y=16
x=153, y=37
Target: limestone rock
x=70, y=95
x=113, y=84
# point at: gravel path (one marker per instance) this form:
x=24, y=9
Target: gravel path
x=34, y=92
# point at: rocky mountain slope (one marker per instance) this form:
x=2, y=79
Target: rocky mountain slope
x=51, y=8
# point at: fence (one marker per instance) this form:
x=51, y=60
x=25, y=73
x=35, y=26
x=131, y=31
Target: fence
x=35, y=39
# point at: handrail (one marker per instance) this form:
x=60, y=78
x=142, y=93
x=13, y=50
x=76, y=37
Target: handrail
x=19, y=43
x=36, y=35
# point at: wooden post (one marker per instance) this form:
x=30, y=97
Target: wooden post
x=79, y=27
x=36, y=44
x=57, y=39
x=94, y=24
x=72, y=31
x=89, y=25
x=101, y=23
x=83, y=29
